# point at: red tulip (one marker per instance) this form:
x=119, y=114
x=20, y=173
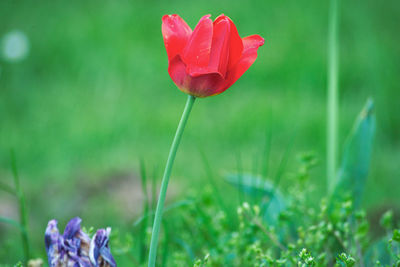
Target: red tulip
x=209, y=59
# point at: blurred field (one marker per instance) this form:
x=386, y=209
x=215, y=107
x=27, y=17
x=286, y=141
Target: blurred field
x=93, y=96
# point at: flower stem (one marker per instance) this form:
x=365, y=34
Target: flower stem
x=165, y=180
x=333, y=109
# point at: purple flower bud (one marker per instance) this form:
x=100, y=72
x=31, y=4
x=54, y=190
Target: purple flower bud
x=73, y=247
x=52, y=242
x=99, y=253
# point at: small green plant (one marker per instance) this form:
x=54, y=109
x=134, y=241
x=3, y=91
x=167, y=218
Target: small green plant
x=302, y=235
x=345, y=260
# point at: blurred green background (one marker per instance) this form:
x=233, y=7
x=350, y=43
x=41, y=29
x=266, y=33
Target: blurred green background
x=92, y=96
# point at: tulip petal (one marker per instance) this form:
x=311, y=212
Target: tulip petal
x=177, y=71
x=225, y=51
x=235, y=46
x=250, y=46
x=219, y=55
x=196, y=54
x=199, y=86
x=176, y=33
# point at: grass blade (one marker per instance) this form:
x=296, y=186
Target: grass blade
x=354, y=168
x=240, y=177
x=266, y=154
x=210, y=176
x=333, y=105
x=142, y=234
x=165, y=252
x=12, y=222
x=22, y=208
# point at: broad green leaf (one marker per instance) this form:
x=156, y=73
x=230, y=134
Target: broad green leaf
x=273, y=208
x=354, y=168
x=383, y=250
x=250, y=184
x=273, y=202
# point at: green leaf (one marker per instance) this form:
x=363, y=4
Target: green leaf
x=186, y=247
x=175, y=205
x=382, y=250
x=396, y=235
x=7, y=188
x=12, y=223
x=354, y=168
x=273, y=201
x=250, y=184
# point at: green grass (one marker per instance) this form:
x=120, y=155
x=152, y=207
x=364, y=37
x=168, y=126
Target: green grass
x=94, y=96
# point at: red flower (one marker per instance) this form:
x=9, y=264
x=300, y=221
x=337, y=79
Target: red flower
x=208, y=60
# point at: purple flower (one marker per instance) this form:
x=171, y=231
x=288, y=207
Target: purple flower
x=99, y=251
x=75, y=248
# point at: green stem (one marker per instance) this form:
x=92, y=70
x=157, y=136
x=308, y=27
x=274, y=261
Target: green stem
x=165, y=180
x=332, y=120
x=142, y=234
x=22, y=209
